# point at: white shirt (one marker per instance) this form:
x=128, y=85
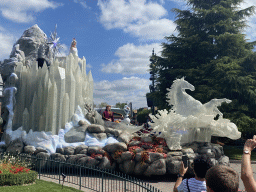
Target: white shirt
x=193, y=184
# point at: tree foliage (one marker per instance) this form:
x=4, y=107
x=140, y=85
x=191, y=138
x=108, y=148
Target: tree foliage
x=102, y=104
x=211, y=51
x=120, y=105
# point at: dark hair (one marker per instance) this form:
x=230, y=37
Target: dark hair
x=221, y=178
x=201, y=165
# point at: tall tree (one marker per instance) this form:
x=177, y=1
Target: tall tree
x=120, y=105
x=211, y=51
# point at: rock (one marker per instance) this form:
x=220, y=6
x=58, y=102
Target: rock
x=79, y=148
x=128, y=166
x=158, y=167
x=40, y=149
x=42, y=160
x=69, y=151
x=95, y=150
x=173, y=166
x=126, y=156
x=174, y=153
x=99, y=136
x=83, y=160
x=73, y=159
x=58, y=157
x=113, y=132
x=82, y=122
x=124, y=137
x=15, y=146
x=95, y=128
x=84, y=151
x=155, y=156
x=134, y=143
x=214, y=162
x=113, y=147
x=187, y=150
x=146, y=139
x=140, y=168
x=76, y=134
x=29, y=149
x=224, y=160
x=92, y=162
x=60, y=150
x=138, y=157
x=218, y=151
x=106, y=164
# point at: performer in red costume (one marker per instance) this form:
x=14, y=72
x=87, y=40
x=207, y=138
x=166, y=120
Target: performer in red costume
x=108, y=114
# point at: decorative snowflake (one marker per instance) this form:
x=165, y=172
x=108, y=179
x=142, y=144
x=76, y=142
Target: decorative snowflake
x=54, y=43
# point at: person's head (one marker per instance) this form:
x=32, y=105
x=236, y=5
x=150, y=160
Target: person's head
x=221, y=178
x=108, y=107
x=201, y=165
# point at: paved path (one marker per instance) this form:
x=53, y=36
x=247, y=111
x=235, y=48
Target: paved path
x=163, y=183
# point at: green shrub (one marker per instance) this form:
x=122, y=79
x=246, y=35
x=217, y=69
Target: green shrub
x=17, y=179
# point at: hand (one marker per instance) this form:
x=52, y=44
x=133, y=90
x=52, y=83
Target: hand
x=183, y=170
x=250, y=144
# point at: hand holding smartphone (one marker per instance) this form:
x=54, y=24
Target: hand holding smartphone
x=185, y=160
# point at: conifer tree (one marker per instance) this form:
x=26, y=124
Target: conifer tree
x=213, y=54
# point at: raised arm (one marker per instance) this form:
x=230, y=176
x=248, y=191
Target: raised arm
x=246, y=168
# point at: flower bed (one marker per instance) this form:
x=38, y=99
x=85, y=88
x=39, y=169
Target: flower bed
x=14, y=172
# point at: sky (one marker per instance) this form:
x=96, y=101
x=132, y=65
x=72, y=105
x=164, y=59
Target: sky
x=115, y=36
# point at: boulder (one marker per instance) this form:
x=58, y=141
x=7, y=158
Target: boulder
x=76, y=134
x=155, y=156
x=95, y=150
x=113, y=147
x=73, y=159
x=146, y=139
x=124, y=137
x=83, y=160
x=69, y=150
x=158, y=167
x=106, y=164
x=29, y=149
x=114, y=132
x=173, y=166
x=224, y=160
x=187, y=150
x=79, y=148
x=15, y=146
x=99, y=136
x=126, y=156
x=39, y=150
x=128, y=166
x=60, y=150
x=82, y=122
x=140, y=168
x=42, y=160
x=95, y=128
x=134, y=143
x=56, y=157
x=92, y=162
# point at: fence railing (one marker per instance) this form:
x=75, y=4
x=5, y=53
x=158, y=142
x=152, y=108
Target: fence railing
x=83, y=176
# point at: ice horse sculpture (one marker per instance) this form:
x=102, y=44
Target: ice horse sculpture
x=189, y=120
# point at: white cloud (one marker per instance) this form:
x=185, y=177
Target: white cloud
x=21, y=11
x=128, y=89
x=136, y=17
x=7, y=40
x=132, y=59
x=82, y=2
x=154, y=29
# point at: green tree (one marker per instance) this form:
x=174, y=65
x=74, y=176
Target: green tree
x=120, y=105
x=102, y=104
x=211, y=51
x=142, y=115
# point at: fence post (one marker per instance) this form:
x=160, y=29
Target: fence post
x=102, y=182
x=125, y=184
x=80, y=178
x=39, y=167
x=59, y=171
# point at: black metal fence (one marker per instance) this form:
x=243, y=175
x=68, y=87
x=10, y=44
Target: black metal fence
x=83, y=176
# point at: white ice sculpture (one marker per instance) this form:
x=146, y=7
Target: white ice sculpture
x=190, y=118
x=47, y=97
x=126, y=117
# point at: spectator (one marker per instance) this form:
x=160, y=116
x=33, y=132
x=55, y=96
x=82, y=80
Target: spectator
x=198, y=183
x=108, y=115
x=246, y=167
x=221, y=178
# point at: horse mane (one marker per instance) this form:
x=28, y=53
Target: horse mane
x=171, y=95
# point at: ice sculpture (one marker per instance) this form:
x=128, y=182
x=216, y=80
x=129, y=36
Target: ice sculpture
x=189, y=119
x=47, y=99
x=126, y=118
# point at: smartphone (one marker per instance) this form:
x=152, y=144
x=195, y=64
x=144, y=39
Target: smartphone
x=185, y=160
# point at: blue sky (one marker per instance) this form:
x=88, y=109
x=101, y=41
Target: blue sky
x=115, y=36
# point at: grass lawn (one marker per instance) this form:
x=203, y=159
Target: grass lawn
x=40, y=186
x=236, y=153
